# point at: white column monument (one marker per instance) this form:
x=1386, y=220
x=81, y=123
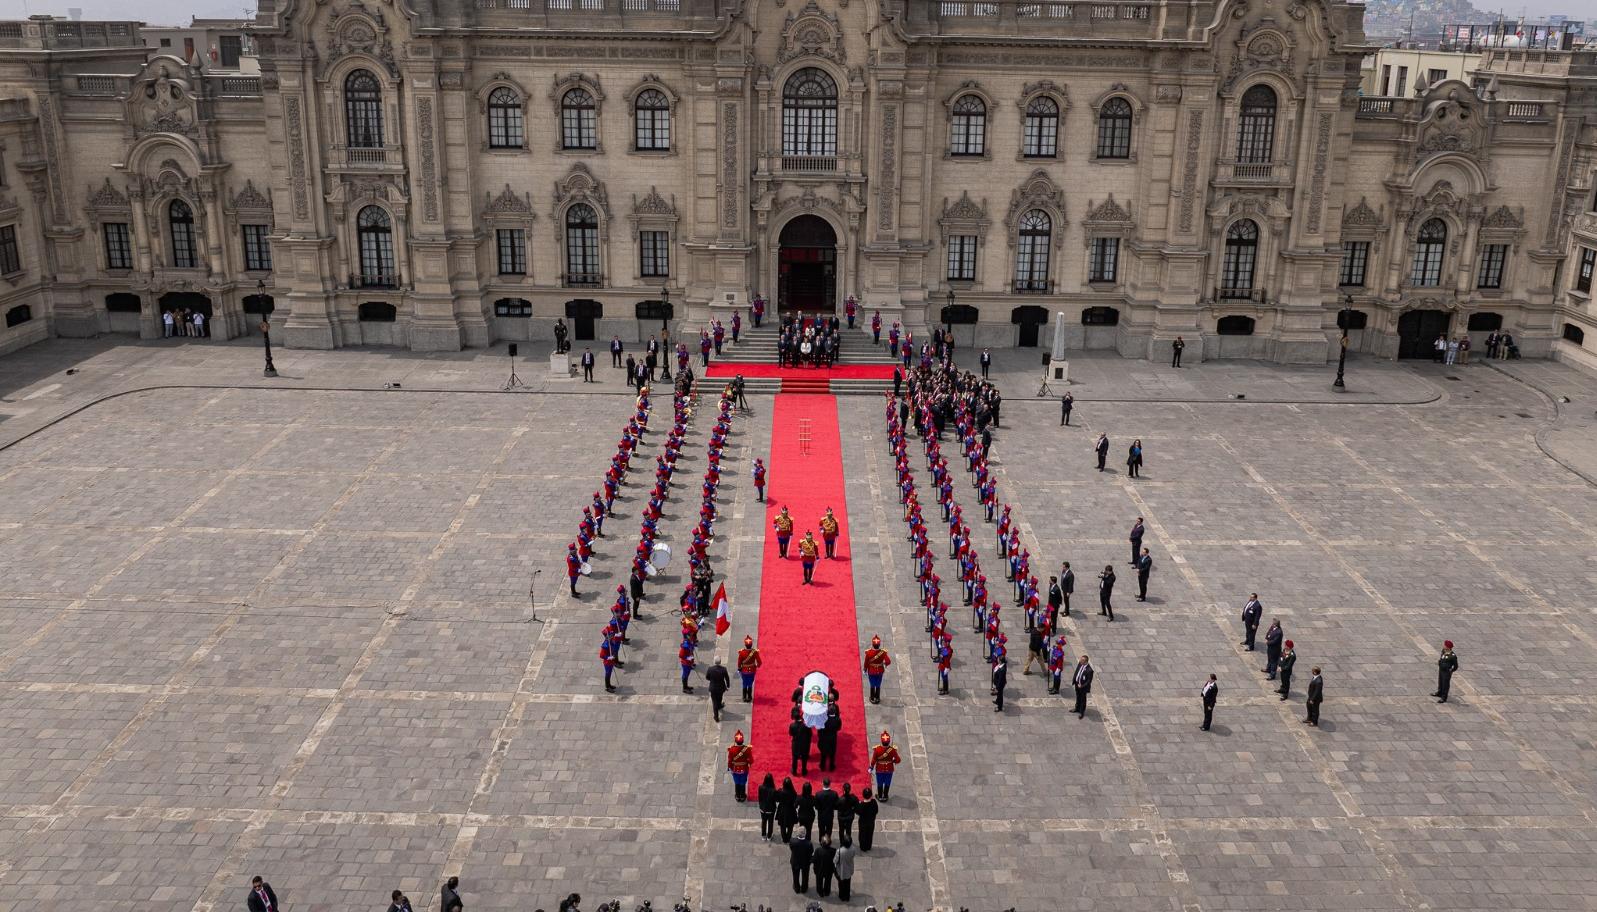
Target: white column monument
x=1058, y=367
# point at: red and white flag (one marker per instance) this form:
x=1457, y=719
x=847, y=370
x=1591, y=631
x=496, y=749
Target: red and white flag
x=723, y=611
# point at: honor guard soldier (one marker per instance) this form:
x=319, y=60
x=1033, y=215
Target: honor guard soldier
x=749, y=662
x=876, y=662
x=884, y=759
x=739, y=758
x=759, y=481
x=686, y=660
x=1445, y=666
x=829, y=533
x=784, y=532
x=609, y=661
x=573, y=566
x=1056, y=665
x=945, y=661
x=808, y=552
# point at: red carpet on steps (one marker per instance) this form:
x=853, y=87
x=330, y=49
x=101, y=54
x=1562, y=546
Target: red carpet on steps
x=807, y=628
x=841, y=372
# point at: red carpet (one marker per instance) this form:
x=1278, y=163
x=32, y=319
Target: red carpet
x=807, y=628
x=841, y=372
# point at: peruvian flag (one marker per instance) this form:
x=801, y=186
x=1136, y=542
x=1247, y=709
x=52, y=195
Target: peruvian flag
x=723, y=611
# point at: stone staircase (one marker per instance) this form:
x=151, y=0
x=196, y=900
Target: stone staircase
x=758, y=346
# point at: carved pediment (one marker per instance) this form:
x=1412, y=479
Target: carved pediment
x=507, y=204
x=106, y=197
x=1261, y=49
x=1361, y=216
x=1038, y=192
x=964, y=209
x=251, y=198
x=654, y=204
x=162, y=98
x=1452, y=123
x=1107, y=211
x=579, y=185
x=359, y=28
x=1503, y=217
x=811, y=32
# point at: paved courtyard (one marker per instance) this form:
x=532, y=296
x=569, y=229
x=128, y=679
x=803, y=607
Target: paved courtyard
x=287, y=632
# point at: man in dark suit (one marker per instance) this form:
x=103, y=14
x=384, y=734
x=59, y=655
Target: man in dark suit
x=825, y=862
x=1067, y=583
x=825, y=811
x=1106, y=591
x=1144, y=568
x=1000, y=681
x=1445, y=666
x=1289, y=658
x=587, y=365
x=801, y=853
x=1252, y=613
x=1056, y=598
x=1102, y=449
x=449, y=896
x=1316, y=696
x=719, y=681
x=1272, y=647
x=986, y=362
x=1066, y=403
x=801, y=735
x=1135, y=538
x=1082, y=681
x=1211, y=695
x=616, y=350
x=262, y=899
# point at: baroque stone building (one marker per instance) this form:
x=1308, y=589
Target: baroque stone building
x=438, y=175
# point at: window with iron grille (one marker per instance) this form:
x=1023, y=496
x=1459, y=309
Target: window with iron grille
x=118, y=245
x=1426, y=270
x=578, y=120
x=505, y=125
x=512, y=251
x=1104, y=263
x=809, y=114
x=363, y=110
x=1241, y=253
x=1489, y=274
x=10, y=253
x=180, y=219
x=962, y=258
x=1031, y=254
x=257, y=250
x=1114, y=129
x=654, y=253
x=1041, y=139
x=968, y=128
x=1256, y=130
x=652, y=119
x=1355, y=261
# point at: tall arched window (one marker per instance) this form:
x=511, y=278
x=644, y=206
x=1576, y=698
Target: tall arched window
x=1031, y=251
x=180, y=218
x=1114, y=129
x=809, y=114
x=1041, y=138
x=1428, y=245
x=582, y=245
x=652, y=116
x=505, y=129
x=1241, y=254
x=578, y=120
x=1256, y=132
x=375, y=233
x=363, y=110
x=967, y=132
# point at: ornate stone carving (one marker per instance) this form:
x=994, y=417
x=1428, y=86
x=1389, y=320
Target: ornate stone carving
x=1107, y=211
x=249, y=198
x=731, y=180
x=887, y=193
x=296, y=156
x=1189, y=169
x=162, y=99
x=964, y=209
x=579, y=185
x=507, y=203
x=654, y=204
x=1502, y=217
x=1361, y=216
x=106, y=197
x=1322, y=152
x=1038, y=192
x=429, y=164
x=811, y=32
x=1452, y=123
x=359, y=29
x=1261, y=50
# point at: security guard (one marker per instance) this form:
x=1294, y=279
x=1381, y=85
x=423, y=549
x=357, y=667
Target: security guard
x=749, y=662
x=876, y=662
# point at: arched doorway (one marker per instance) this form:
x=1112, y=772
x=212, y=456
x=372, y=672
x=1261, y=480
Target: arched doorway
x=184, y=305
x=806, y=266
x=1417, y=331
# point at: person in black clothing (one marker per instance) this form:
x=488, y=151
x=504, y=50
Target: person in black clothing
x=1289, y=658
x=1211, y=695
x=1056, y=599
x=1067, y=582
x=1106, y=589
x=587, y=365
x=826, y=741
x=1445, y=666
x=1316, y=697
x=847, y=806
x=866, y=814
x=262, y=898
x=1000, y=681
x=449, y=897
x=767, y=796
x=719, y=682
x=801, y=735
x=401, y=902
x=637, y=593
x=632, y=370
x=786, y=809
x=1144, y=568
x=825, y=810
x=1066, y=403
x=825, y=866
x=1175, y=351
x=805, y=807
x=801, y=853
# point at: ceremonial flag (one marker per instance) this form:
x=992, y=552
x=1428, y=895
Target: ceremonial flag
x=723, y=611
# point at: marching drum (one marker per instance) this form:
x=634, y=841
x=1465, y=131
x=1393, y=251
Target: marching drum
x=585, y=569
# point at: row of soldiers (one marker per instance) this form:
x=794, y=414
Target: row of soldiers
x=700, y=574
x=593, y=516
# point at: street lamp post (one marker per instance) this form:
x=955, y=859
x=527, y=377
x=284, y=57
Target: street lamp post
x=1344, y=318
x=266, y=332
x=665, y=333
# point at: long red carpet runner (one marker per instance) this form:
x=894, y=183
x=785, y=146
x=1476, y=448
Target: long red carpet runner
x=720, y=369
x=807, y=628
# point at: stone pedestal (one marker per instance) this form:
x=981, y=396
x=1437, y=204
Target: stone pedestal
x=561, y=367
x=1058, y=370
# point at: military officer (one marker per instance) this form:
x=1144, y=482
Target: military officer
x=784, y=532
x=686, y=660
x=808, y=552
x=1056, y=665
x=739, y=757
x=759, y=480
x=829, y=529
x=876, y=662
x=749, y=662
x=884, y=759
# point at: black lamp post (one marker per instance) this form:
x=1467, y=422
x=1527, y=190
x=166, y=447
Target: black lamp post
x=1344, y=318
x=666, y=354
x=949, y=313
x=266, y=331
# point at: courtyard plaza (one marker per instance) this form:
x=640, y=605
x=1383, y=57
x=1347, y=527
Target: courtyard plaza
x=282, y=627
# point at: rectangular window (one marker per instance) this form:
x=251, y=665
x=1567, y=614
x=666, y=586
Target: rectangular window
x=1435, y=76
x=1355, y=260
x=1588, y=263
x=962, y=258
x=118, y=248
x=1386, y=79
x=512, y=251
x=1402, y=80
x=232, y=48
x=257, y=252
x=1105, y=260
x=654, y=253
x=1489, y=274
x=10, y=255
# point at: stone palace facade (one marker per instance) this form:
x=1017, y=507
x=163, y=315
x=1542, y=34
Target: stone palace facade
x=437, y=175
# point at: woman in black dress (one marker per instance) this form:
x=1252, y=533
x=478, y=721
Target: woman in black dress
x=786, y=809
x=768, y=807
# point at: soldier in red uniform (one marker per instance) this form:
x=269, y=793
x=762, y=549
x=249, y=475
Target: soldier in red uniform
x=573, y=566
x=876, y=662
x=749, y=662
x=739, y=757
x=945, y=661
x=884, y=759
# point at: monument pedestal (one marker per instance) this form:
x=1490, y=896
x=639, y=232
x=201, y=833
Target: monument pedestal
x=560, y=367
x=1058, y=370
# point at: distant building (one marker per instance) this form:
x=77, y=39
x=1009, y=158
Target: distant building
x=210, y=44
x=1396, y=71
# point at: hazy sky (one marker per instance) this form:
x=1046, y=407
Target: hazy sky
x=179, y=12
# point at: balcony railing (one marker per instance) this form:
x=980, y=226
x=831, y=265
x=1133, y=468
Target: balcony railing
x=583, y=279
x=233, y=86
x=1524, y=110
x=1377, y=107
x=1251, y=172
x=1240, y=294
x=809, y=164
x=97, y=85
x=367, y=156
x=1033, y=286
x=379, y=280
